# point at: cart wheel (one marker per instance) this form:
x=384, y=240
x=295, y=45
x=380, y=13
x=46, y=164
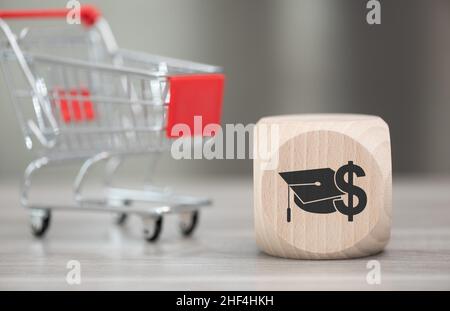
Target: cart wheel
x=188, y=222
x=152, y=228
x=40, y=221
x=121, y=218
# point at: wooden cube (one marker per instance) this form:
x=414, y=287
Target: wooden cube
x=322, y=185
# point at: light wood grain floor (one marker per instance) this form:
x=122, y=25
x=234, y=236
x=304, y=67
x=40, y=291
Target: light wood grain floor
x=223, y=254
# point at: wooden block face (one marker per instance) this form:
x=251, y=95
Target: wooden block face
x=329, y=194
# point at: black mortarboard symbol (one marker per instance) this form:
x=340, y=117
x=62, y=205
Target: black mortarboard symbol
x=314, y=190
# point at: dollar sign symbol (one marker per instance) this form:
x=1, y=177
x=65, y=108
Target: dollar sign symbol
x=351, y=190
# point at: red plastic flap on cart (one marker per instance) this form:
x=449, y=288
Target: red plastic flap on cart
x=191, y=97
x=73, y=107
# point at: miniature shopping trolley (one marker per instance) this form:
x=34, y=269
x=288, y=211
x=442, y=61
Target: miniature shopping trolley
x=78, y=97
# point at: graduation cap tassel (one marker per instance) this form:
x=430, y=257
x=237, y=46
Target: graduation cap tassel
x=289, y=206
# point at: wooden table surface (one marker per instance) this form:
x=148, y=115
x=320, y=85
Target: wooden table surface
x=222, y=255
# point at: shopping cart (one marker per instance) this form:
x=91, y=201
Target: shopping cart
x=78, y=96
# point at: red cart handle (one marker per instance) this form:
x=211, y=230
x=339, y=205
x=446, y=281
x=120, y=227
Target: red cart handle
x=88, y=14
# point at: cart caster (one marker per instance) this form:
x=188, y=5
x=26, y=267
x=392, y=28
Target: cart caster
x=40, y=221
x=121, y=218
x=152, y=228
x=188, y=222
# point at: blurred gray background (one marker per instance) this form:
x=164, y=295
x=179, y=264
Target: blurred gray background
x=293, y=56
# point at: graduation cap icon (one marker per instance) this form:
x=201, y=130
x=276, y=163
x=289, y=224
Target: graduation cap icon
x=314, y=190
